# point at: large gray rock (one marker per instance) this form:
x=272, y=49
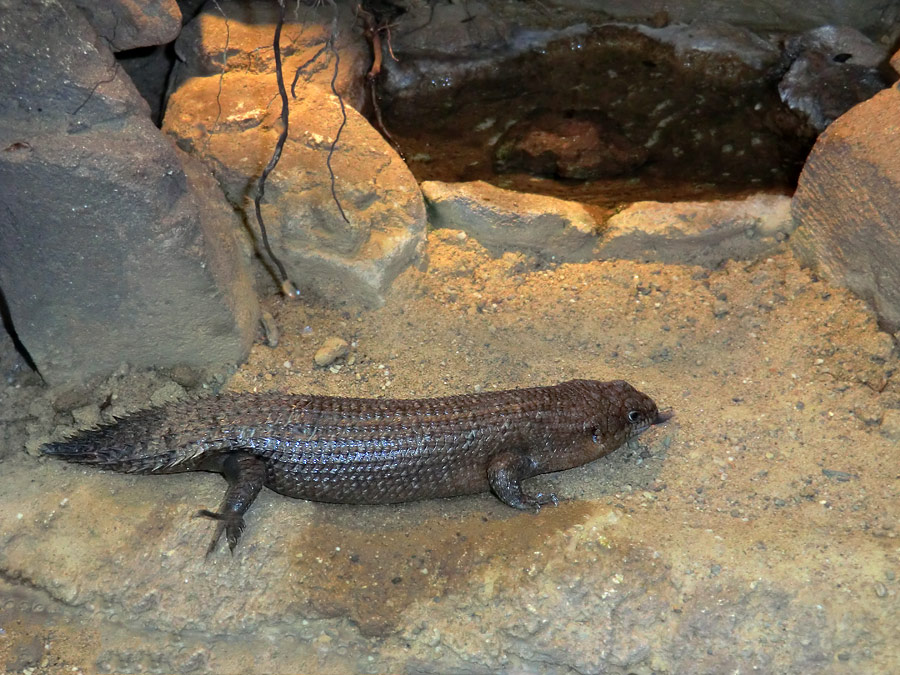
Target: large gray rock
x=348, y=261
x=847, y=205
x=504, y=220
x=698, y=233
x=113, y=248
x=125, y=24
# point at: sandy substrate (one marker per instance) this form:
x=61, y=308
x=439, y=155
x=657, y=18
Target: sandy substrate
x=756, y=532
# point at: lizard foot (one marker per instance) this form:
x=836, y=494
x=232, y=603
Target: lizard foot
x=535, y=502
x=229, y=523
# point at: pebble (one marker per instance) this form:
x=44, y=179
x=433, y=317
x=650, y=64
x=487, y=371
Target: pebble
x=86, y=416
x=170, y=391
x=880, y=589
x=890, y=424
x=331, y=350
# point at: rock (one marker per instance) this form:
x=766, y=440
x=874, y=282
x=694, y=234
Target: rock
x=846, y=205
x=895, y=62
x=890, y=424
x=113, y=246
x=698, y=233
x=348, y=262
x=503, y=220
x=149, y=70
x=576, y=144
x=236, y=37
x=87, y=416
x=125, y=24
x=331, y=350
x=833, y=69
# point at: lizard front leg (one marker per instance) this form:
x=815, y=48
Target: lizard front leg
x=506, y=473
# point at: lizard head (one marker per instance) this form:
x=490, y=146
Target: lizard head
x=624, y=413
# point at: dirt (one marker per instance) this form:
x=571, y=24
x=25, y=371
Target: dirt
x=758, y=530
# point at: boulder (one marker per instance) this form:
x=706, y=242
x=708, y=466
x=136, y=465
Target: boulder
x=847, y=206
x=234, y=132
x=576, y=144
x=236, y=36
x=125, y=24
x=698, y=233
x=832, y=69
x=503, y=220
x=114, y=247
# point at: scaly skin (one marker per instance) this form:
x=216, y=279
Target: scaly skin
x=372, y=451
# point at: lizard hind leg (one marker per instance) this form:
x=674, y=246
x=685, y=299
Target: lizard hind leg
x=246, y=475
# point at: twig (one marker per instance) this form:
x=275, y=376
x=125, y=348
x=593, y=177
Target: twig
x=286, y=286
x=337, y=61
x=221, y=76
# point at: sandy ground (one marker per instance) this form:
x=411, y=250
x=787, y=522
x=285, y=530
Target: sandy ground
x=756, y=532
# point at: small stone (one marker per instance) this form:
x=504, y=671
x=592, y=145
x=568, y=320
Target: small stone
x=331, y=350
x=167, y=393
x=890, y=424
x=186, y=376
x=880, y=589
x=86, y=416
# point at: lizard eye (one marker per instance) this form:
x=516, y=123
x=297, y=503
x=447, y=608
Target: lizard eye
x=634, y=416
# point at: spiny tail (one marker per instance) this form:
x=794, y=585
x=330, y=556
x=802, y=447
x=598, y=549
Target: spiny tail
x=139, y=443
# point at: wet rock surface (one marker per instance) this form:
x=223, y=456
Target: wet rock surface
x=685, y=104
x=846, y=204
x=832, y=68
x=571, y=144
x=758, y=529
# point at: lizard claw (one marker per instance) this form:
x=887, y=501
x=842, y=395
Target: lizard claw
x=231, y=524
x=540, y=499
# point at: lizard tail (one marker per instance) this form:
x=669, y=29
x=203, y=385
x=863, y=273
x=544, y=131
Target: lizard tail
x=125, y=446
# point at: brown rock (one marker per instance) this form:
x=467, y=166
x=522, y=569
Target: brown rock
x=234, y=131
x=847, y=206
x=576, y=144
x=236, y=36
x=331, y=350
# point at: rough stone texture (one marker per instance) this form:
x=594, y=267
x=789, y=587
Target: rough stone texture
x=575, y=144
x=149, y=71
x=846, y=204
x=833, y=68
x=113, y=247
x=504, y=220
x=347, y=262
x=128, y=24
x=236, y=36
x=698, y=233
